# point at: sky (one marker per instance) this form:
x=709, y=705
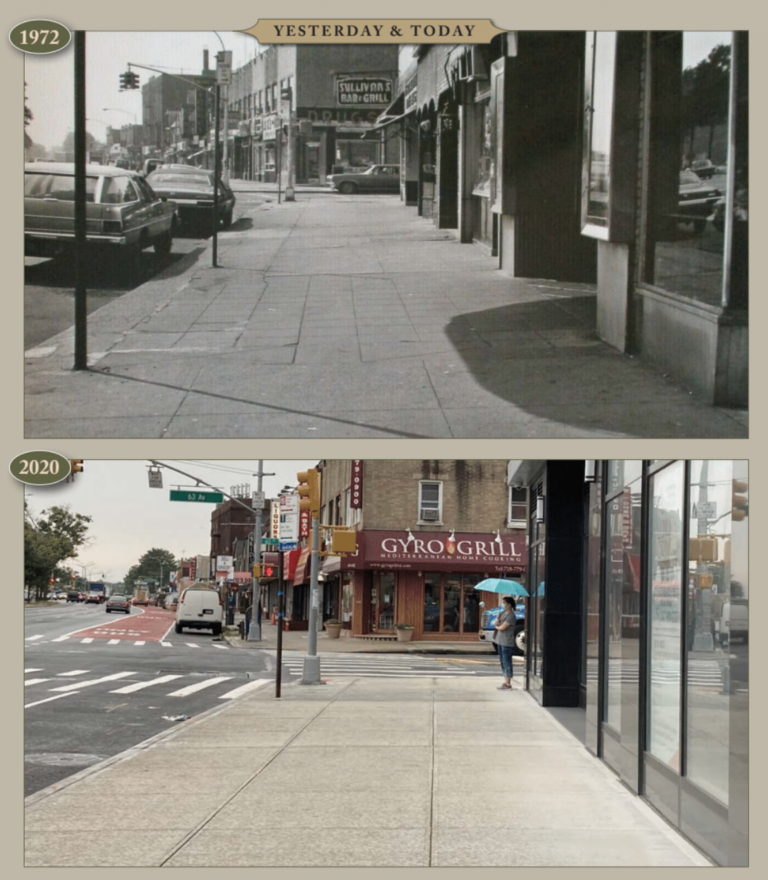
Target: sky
x=49, y=78
x=129, y=518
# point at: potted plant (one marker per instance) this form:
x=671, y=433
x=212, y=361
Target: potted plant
x=333, y=628
x=404, y=632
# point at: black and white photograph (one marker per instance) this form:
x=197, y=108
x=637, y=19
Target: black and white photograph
x=540, y=236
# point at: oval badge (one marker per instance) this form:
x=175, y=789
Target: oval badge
x=40, y=467
x=40, y=36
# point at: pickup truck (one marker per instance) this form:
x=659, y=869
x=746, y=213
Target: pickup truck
x=488, y=619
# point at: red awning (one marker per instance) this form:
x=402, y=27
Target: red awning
x=302, y=572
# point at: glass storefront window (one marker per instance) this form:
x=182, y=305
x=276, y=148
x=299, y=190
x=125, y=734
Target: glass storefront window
x=451, y=603
x=717, y=623
x=347, y=600
x=383, y=597
x=600, y=72
x=689, y=177
x=666, y=608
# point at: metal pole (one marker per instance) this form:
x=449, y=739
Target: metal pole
x=312, y=661
x=81, y=320
x=289, y=195
x=254, y=631
x=278, y=163
x=280, y=616
x=216, y=161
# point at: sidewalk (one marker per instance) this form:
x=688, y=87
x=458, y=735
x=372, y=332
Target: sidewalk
x=336, y=316
x=363, y=772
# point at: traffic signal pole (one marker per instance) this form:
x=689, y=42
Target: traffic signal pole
x=254, y=630
x=311, y=674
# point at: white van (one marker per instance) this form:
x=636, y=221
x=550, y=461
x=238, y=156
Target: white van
x=734, y=621
x=199, y=608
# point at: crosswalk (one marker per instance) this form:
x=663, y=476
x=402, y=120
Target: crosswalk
x=44, y=689
x=704, y=673
x=380, y=666
x=37, y=640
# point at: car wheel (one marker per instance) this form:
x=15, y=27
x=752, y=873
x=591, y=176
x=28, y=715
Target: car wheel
x=347, y=188
x=520, y=640
x=177, y=627
x=107, y=610
x=163, y=245
x=699, y=225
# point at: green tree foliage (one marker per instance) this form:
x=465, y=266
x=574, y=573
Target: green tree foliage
x=154, y=565
x=706, y=92
x=49, y=541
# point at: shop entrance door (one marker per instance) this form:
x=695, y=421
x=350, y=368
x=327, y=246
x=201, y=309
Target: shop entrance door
x=383, y=602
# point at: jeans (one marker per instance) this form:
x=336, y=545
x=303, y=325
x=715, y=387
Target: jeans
x=505, y=658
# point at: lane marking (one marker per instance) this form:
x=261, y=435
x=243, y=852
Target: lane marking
x=223, y=647
x=86, y=641
x=166, y=644
x=114, y=642
x=201, y=685
x=131, y=688
x=31, y=669
x=74, y=672
x=82, y=684
x=33, y=638
x=61, y=639
x=47, y=700
x=139, y=643
x=244, y=689
x=191, y=645
x=30, y=681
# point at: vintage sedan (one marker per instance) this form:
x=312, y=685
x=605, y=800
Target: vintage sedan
x=118, y=603
x=378, y=178
x=122, y=213
x=192, y=190
x=696, y=200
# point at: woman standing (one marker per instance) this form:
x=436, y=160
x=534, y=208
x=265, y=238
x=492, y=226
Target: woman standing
x=505, y=640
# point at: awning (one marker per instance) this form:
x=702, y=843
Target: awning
x=301, y=568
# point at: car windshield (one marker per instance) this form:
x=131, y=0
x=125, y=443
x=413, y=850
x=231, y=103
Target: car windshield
x=179, y=179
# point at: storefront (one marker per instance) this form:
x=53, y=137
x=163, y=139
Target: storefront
x=646, y=628
x=427, y=580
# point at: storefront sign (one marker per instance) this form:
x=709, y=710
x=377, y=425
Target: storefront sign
x=304, y=524
x=269, y=127
x=359, y=91
x=356, y=481
x=337, y=116
x=289, y=521
x=444, y=551
x=274, y=520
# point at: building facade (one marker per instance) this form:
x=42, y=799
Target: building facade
x=332, y=94
x=618, y=159
x=639, y=616
x=428, y=532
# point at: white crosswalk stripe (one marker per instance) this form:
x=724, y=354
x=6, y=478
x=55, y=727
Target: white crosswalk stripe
x=244, y=689
x=200, y=685
x=86, y=641
x=73, y=672
x=132, y=688
x=96, y=642
x=33, y=638
x=32, y=670
x=30, y=681
x=46, y=700
x=93, y=681
x=113, y=642
x=373, y=666
x=139, y=643
x=61, y=639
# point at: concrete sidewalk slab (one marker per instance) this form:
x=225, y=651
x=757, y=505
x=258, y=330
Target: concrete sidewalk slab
x=358, y=772
x=353, y=318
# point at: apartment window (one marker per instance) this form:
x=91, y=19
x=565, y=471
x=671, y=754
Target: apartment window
x=430, y=502
x=517, y=515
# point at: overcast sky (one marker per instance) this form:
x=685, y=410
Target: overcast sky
x=129, y=518
x=49, y=78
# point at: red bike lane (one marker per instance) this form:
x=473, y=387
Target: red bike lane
x=149, y=624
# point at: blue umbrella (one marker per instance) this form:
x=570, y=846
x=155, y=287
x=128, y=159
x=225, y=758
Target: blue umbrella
x=500, y=585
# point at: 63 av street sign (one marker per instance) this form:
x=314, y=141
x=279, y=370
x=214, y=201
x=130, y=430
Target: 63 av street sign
x=195, y=495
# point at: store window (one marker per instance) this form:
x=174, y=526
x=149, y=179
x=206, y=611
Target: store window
x=600, y=71
x=717, y=624
x=517, y=517
x=383, y=600
x=696, y=181
x=451, y=603
x=430, y=502
x=665, y=563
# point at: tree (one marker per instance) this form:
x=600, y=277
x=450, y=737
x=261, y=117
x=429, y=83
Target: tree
x=154, y=565
x=706, y=93
x=28, y=116
x=53, y=538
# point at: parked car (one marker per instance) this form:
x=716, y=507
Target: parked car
x=123, y=214
x=94, y=598
x=118, y=603
x=703, y=168
x=385, y=178
x=696, y=200
x=487, y=631
x=199, y=608
x=171, y=601
x=192, y=190
x=74, y=596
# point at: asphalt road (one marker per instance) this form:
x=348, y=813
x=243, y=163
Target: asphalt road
x=97, y=683
x=49, y=283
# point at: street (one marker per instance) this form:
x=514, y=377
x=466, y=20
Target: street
x=98, y=684
x=49, y=283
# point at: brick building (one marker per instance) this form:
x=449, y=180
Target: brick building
x=427, y=533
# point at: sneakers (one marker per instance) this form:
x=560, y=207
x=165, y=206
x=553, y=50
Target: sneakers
x=504, y=687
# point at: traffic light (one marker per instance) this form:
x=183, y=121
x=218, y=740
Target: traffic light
x=257, y=571
x=740, y=506
x=77, y=465
x=123, y=82
x=309, y=490
x=269, y=571
x=132, y=80
x=343, y=541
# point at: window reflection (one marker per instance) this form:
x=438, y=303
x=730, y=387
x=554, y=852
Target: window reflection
x=689, y=167
x=600, y=85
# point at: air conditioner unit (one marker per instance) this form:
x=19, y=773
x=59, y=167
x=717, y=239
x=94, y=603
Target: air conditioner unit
x=429, y=515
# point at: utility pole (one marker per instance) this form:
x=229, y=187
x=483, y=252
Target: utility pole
x=254, y=630
x=702, y=640
x=286, y=96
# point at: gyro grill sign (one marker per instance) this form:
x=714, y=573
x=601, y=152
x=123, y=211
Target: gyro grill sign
x=441, y=551
x=356, y=91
